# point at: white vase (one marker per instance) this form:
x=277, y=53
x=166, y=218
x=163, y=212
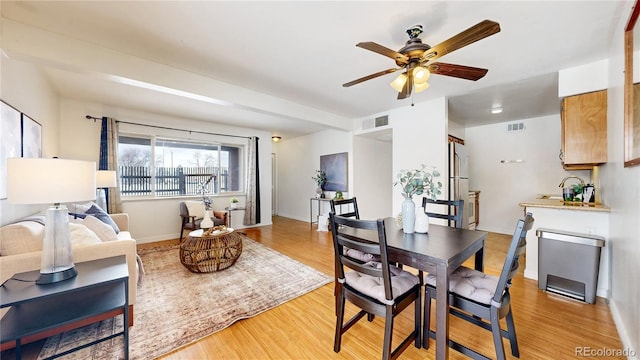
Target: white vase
x=233, y=206
x=206, y=220
x=408, y=215
x=422, y=221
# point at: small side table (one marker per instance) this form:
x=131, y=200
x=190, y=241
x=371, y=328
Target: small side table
x=202, y=253
x=229, y=211
x=100, y=288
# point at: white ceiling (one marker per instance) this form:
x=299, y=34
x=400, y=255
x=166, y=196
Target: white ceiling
x=302, y=52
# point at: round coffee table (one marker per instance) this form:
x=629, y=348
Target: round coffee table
x=216, y=251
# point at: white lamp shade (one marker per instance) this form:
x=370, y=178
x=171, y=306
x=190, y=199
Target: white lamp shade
x=399, y=82
x=420, y=75
x=105, y=179
x=421, y=87
x=49, y=181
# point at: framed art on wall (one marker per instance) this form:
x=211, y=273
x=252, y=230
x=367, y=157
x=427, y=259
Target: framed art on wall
x=335, y=166
x=31, y=138
x=10, y=141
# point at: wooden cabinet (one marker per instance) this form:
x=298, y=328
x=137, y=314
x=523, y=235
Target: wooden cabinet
x=584, y=130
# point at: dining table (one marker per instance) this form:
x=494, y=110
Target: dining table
x=439, y=252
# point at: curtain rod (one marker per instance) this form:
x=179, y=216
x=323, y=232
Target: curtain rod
x=89, y=117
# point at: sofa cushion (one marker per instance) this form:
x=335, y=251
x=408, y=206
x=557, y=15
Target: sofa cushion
x=21, y=237
x=103, y=216
x=124, y=235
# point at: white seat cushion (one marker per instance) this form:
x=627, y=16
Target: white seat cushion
x=359, y=255
x=471, y=284
x=401, y=282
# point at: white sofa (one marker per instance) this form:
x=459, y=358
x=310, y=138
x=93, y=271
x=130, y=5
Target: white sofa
x=19, y=240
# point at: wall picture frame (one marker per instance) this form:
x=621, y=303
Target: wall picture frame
x=335, y=167
x=31, y=137
x=10, y=141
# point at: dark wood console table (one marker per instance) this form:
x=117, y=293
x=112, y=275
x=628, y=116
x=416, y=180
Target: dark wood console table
x=101, y=288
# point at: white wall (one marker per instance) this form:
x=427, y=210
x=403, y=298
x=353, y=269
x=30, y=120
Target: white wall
x=504, y=185
x=373, y=183
x=80, y=139
x=622, y=193
x=25, y=88
x=420, y=135
x=298, y=159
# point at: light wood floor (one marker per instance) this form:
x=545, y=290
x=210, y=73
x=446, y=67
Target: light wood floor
x=548, y=326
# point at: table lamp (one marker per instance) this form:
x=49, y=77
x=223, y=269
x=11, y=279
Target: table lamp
x=104, y=179
x=52, y=181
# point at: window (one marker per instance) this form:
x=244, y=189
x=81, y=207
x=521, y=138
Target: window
x=178, y=166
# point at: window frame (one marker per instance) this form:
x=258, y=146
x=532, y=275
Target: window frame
x=153, y=139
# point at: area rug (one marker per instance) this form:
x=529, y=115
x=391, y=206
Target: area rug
x=175, y=307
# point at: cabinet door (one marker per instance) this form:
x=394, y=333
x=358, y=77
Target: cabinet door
x=584, y=128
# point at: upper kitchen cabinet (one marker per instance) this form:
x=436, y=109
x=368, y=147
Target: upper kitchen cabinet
x=584, y=130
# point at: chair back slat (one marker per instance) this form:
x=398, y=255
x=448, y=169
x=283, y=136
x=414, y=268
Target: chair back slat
x=512, y=262
x=353, y=207
x=453, y=210
x=340, y=225
x=352, y=243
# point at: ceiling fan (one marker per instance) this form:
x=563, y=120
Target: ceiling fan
x=417, y=59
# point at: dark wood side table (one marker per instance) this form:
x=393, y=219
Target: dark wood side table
x=101, y=287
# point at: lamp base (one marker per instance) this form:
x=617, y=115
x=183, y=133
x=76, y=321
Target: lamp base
x=55, y=277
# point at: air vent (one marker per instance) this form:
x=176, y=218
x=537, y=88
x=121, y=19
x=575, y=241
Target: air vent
x=377, y=122
x=516, y=127
x=368, y=124
x=382, y=120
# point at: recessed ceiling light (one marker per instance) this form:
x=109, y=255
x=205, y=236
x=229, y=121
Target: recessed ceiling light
x=496, y=110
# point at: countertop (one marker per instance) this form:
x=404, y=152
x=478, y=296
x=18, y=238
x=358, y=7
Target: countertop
x=542, y=202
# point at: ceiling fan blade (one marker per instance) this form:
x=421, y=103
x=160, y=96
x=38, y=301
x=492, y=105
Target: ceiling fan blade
x=377, y=48
x=459, y=71
x=477, y=32
x=406, y=89
x=369, y=77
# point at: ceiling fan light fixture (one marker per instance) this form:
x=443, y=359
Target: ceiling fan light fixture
x=399, y=82
x=420, y=75
x=421, y=87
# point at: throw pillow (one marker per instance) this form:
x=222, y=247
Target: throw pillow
x=96, y=211
x=104, y=231
x=80, y=234
x=21, y=237
x=195, y=208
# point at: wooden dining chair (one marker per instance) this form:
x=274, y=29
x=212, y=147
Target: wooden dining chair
x=453, y=210
x=483, y=299
x=377, y=288
x=353, y=209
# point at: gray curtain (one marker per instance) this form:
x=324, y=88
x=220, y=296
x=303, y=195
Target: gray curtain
x=252, y=207
x=109, y=161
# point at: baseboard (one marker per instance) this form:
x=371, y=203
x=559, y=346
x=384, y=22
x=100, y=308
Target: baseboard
x=633, y=352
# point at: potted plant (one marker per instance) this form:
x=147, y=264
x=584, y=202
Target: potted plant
x=420, y=181
x=320, y=179
x=233, y=203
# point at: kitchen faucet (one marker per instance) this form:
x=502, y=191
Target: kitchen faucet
x=569, y=177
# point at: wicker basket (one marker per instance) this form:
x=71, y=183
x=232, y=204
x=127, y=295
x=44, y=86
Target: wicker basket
x=209, y=253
